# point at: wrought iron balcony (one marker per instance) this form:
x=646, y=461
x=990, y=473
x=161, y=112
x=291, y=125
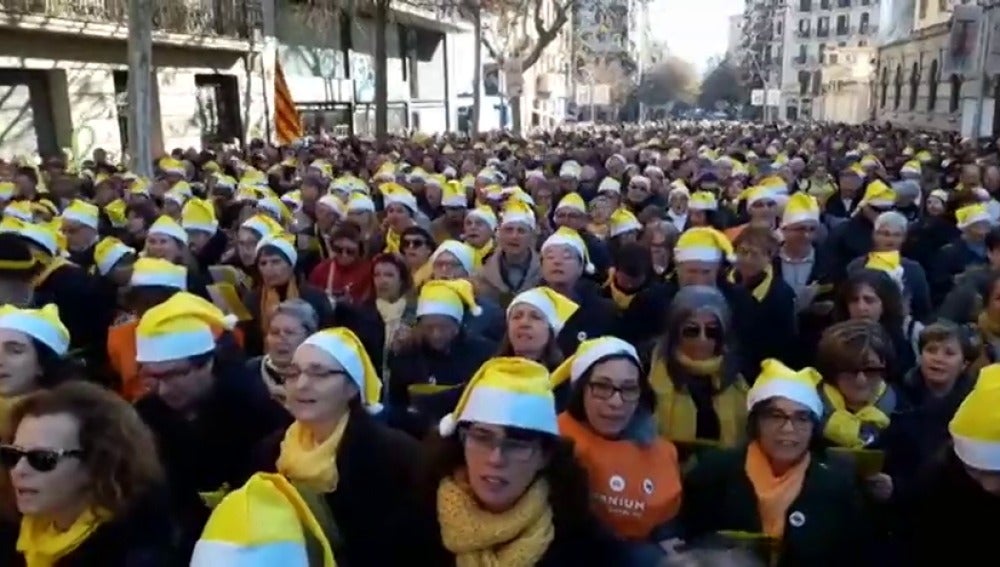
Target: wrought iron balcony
x=214, y=18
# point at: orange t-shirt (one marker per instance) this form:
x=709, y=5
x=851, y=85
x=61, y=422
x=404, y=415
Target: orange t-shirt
x=121, y=356
x=633, y=488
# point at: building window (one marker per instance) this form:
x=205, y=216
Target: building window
x=121, y=105
x=932, y=86
x=804, y=25
x=805, y=5
x=842, y=24
x=863, y=25
x=898, y=86
x=914, y=85
x=218, y=108
x=824, y=4
x=817, y=79
x=945, y=5
x=804, y=78
x=922, y=12
x=885, y=87
x=843, y=3
x=822, y=53
x=823, y=26
x=956, y=93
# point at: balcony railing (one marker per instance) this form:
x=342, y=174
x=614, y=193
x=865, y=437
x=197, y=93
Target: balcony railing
x=219, y=18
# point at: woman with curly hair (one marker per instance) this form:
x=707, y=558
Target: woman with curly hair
x=508, y=490
x=83, y=472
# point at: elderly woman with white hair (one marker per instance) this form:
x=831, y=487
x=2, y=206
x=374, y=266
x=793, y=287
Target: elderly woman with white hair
x=889, y=234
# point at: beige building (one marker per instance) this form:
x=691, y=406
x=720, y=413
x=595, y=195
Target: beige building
x=848, y=86
x=64, y=76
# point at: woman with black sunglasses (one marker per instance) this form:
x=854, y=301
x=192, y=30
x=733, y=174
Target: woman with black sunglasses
x=85, y=477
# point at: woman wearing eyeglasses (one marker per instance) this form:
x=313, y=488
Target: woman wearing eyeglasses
x=507, y=489
x=346, y=274
x=634, y=474
x=85, y=477
x=693, y=369
x=776, y=494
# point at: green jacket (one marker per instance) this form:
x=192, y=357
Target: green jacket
x=826, y=523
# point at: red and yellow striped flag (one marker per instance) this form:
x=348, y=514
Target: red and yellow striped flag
x=287, y=122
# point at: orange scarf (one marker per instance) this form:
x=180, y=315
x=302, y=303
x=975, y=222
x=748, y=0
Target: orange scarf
x=269, y=300
x=774, y=494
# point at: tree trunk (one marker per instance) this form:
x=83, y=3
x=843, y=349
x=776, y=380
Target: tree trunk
x=515, y=114
x=381, y=73
x=140, y=77
x=477, y=72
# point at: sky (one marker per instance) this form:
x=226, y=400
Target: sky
x=694, y=30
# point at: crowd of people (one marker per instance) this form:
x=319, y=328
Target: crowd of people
x=694, y=343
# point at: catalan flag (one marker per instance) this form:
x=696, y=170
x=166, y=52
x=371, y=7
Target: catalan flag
x=287, y=123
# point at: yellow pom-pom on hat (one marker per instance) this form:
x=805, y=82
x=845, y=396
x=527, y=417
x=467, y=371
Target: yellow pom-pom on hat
x=167, y=226
x=703, y=201
x=262, y=225
x=572, y=201
x=82, y=212
x=507, y=392
x=158, y=272
x=622, y=221
x=42, y=325
x=451, y=298
x=588, y=353
x=779, y=381
x=703, y=244
x=199, y=215
x=566, y=236
x=283, y=242
x=975, y=429
x=108, y=252
x=180, y=327
x=555, y=307
x=971, y=214
x=801, y=207
x=347, y=350
x=879, y=195
x=453, y=195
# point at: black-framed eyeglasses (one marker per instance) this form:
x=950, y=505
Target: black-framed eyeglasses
x=866, y=372
x=709, y=332
x=776, y=419
x=412, y=243
x=606, y=390
x=485, y=442
x=344, y=250
x=42, y=460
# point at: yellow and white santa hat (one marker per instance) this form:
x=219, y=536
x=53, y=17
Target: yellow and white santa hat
x=911, y=169
x=609, y=185
x=975, y=429
x=939, y=194
x=453, y=195
x=41, y=235
x=82, y=212
x=779, y=381
x=394, y=193
x=570, y=169
x=878, y=194
x=451, y=298
x=115, y=211
x=170, y=165
x=801, y=207
x=758, y=193
x=181, y=326
x=335, y=204
x=199, y=215
x=167, y=226
x=43, y=325
x=159, y=272
x=292, y=199
x=283, y=242
x=262, y=225
x=517, y=211
x=555, y=307
x=465, y=254
x=176, y=197
x=888, y=262
x=622, y=221
x=108, y=252
x=485, y=214
x=565, y=236
x=507, y=392
x=347, y=350
x=971, y=214
x=703, y=244
x=21, y=210
x=703, y=201
x=572, y=201
x=360, y=203
x=588, y=353
x=274, y=207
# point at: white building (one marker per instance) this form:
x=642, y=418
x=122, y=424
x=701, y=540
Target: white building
x=816, y=31
x=735, y=35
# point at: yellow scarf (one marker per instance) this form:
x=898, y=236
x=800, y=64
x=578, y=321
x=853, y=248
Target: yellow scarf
x=518, y=537
x=676, y=414
x=775, y=494
x=50, y=267
x=392, y=239
x=42, y=545
x=482, y=253
x=305, y=460
x=622, y=300
x=843, y=427
x=269, y=301
x=760, y=291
